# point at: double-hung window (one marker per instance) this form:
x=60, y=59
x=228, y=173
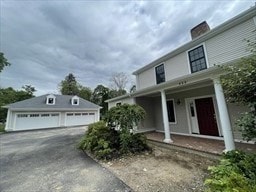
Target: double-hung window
x=160, y=74
x=197, y=59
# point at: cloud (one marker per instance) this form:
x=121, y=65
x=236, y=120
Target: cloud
x=46, y=40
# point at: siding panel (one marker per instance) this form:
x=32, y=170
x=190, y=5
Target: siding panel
x=231, y=44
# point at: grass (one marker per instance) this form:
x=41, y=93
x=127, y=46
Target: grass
x=2, y=126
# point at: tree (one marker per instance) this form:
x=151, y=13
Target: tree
x=29, y=89
x=84, y=92
x=240, y=87
x=3, y=62
x=69, y=86
x=118, y=82
x=99, y=96
x=9, y=95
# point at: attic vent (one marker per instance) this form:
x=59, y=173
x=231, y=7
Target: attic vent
x=199, y=29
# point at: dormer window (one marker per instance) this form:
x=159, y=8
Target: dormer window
x=50, y=100
x=75, y=100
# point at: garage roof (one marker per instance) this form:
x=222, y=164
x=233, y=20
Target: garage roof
x=62, y=102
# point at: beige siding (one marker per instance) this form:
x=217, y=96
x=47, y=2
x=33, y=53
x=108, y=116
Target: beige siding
x=231, y=44
x=146, y=78
x=146, y=103
x=122, y=101
x=176, y=67
x=225, y=47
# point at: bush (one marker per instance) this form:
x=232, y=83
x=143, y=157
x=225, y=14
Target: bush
x=236, y=172
x=107, y=143
x=100, y=140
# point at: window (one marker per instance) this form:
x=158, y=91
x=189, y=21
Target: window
x=50, y=99
x=91, y=113
x=160, y=75
x=84, y=114
x=197, y=59
x=77, y=114
x=45, y=115
x=171, y=111
x=69, y=114
x=118, y=104
x=75, y=100
x=22, y=115
x=54, y=114
x=34, y=115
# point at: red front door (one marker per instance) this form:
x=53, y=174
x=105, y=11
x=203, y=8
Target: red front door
x=206, y=117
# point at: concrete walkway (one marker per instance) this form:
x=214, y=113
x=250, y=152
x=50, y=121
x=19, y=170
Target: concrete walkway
x=47, y=160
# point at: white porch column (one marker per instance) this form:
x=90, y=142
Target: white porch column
x=165, y=118
x=224, y=116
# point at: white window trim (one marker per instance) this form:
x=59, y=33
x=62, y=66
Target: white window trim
x=73, y=99
x=163, y=63
x=174, y=110
x=205, y=54
x=47, y=100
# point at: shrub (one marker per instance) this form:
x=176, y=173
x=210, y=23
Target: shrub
x=102, y=141
x=105, y=142
x=235, y=172
x=125, y=116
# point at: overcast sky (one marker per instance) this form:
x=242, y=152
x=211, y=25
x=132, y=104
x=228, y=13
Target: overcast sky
x=46, y=40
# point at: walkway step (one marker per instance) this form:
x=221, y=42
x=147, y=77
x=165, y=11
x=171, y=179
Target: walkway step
x=168, y=146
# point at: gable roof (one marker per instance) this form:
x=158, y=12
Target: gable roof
x=250, y=13
x=61, y=102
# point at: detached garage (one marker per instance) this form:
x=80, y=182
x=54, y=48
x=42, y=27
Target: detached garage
x=49, y=111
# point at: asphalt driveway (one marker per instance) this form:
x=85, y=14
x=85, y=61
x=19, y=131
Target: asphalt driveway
x=48, y=160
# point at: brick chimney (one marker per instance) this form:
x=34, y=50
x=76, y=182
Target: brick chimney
x=199, y=29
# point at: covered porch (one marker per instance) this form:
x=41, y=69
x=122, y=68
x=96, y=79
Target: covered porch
x=211, y=146
x=192, y=106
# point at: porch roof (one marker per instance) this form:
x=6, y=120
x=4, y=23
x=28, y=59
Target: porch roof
x=186, y=80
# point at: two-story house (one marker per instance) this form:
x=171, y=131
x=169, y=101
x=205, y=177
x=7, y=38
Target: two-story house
x=181, y=91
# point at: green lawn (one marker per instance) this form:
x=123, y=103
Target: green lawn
x=2, y=128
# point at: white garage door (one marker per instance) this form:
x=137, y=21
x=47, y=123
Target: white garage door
x=78, y=118
x=37, y=120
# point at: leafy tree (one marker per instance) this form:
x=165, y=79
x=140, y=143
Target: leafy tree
x=115, y=93
x=3, y=62
x=240, y=87
x=9, y=95
x=69, y=86
x=29, y=89
x=99, y=96
x=84, y=92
